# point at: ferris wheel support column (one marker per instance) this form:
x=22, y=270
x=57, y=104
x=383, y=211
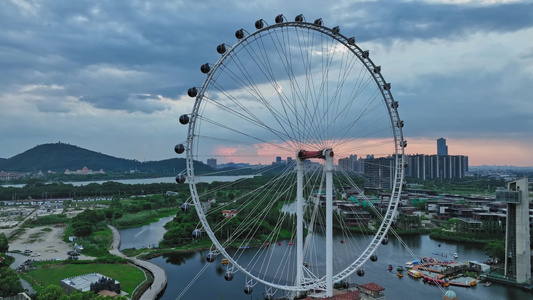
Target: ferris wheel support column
x=328, y=153
x=299, y=220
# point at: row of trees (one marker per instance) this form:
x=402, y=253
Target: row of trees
x=9, y=280
x=465, y=186
x=39, y=190
x=55, y=292
x=486, y=228
x=105, y=283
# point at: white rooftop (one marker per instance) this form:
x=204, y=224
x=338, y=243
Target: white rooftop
x=83, y=282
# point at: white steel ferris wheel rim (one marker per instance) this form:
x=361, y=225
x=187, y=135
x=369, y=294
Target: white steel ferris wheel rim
x=397, y=136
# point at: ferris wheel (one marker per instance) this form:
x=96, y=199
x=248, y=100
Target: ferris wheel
x=295, y=101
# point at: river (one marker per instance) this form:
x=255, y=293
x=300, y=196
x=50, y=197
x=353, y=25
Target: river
x=206, y=179
x=182, y=269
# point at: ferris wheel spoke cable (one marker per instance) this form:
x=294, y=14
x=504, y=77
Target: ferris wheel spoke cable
x=343, y=114
x=218, y=225
x=242, y=208
x=266, y=69
x=366, y=109
x=248, y=117
x=358, y=217
x=227, y=184
x=306, y=63
x=285, y=58
x=303, y=92
x=326, y=80
x=317, y=135
x=236, y=131
x=247, y=224
x=375, y=132
x=255, y=93
x=368, y=147
x=263, y=261
x=192, y=281
x=265, y=145
x=322, y=117
x=406, y=247
x=342, y=76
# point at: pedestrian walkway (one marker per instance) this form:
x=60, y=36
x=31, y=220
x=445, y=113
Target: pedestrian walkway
x=159, y=275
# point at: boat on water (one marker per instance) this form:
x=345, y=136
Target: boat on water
x=455, y=255
x=473, y=282
x=488, y=283
x=412, y=263
x=225, y=261
x=389, y=268
x=433, y=281
x=414, y=273
x=399, y=269
x=399, y=274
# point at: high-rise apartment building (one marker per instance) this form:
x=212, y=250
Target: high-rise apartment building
x=442, y=165
x=442, y=149
x=352, y=164
x=212, y=162
x=423, y=166
x=379, y=172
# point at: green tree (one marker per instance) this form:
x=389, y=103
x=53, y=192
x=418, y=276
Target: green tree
x=9, y=282
x=496, y=250
x=83, y=228
x=4, y=245
x=51, y=292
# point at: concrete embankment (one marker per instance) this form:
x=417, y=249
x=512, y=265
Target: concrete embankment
x=159, y=275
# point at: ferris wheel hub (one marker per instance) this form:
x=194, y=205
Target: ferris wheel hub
x=304, y=154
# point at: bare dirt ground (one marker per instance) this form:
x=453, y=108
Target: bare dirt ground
x=45, y=242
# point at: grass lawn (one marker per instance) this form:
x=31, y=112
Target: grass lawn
x=128, y=276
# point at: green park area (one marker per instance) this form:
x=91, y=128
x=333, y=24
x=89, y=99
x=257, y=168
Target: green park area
x=129, y=276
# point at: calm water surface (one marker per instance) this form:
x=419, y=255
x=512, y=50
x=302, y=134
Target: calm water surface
x=184, y=271
x=142, y=237
x=207, y=179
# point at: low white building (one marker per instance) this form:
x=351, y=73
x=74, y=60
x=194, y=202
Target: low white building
x=81, y=283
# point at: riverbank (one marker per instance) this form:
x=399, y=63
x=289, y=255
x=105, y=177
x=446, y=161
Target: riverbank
x=159, y=276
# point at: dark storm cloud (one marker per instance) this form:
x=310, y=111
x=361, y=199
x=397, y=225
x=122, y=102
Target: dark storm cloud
x=466, y=103
x=51, y=43
x=56, y=42
x=419, y=20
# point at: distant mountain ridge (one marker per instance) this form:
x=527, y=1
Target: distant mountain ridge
x=58, y=157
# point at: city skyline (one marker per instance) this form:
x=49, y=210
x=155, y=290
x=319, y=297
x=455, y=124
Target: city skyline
x=112, y=77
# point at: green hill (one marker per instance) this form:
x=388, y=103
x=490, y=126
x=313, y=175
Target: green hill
x=59, y=157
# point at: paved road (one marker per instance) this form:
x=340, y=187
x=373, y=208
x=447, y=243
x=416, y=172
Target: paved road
x=19, y=260
x=160, y=276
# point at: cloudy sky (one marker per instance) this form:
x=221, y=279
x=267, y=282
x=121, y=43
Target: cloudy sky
x=112, y=76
